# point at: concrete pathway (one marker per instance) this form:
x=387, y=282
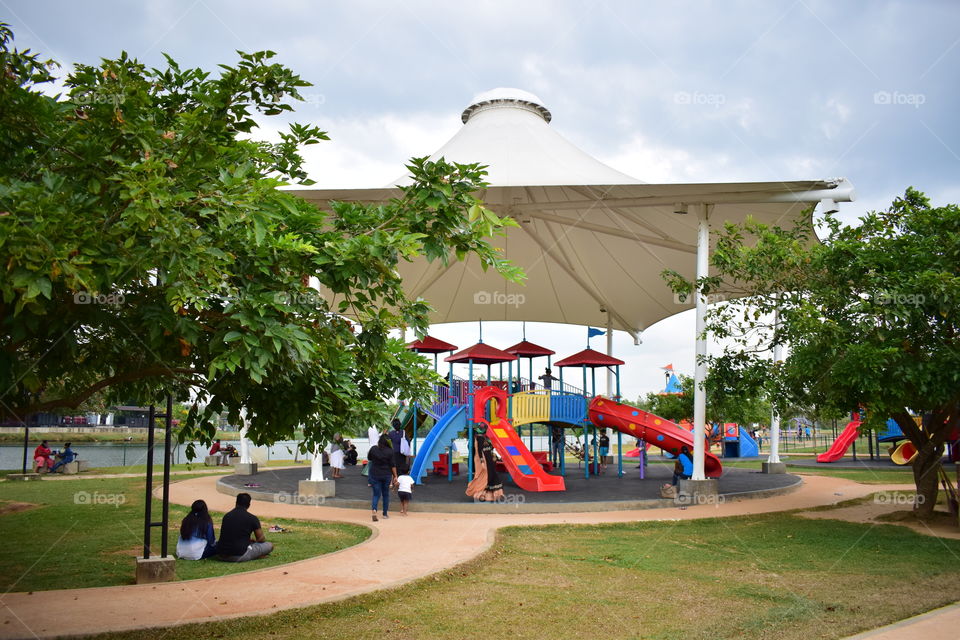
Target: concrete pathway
x=939, y=624
x=443, y=540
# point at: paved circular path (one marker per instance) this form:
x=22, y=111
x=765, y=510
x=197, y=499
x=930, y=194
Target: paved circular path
x=443, y=540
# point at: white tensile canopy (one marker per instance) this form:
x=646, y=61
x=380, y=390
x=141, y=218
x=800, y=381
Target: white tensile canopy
x=592, y=241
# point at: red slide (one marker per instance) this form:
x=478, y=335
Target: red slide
x=654, y=430
x=523, y=467
x=841, y=444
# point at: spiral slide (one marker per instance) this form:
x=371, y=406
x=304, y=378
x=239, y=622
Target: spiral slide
x=655, y=430
x=841, y=444
x=522, y=466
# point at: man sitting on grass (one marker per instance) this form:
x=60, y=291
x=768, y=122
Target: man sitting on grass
x=241, y=538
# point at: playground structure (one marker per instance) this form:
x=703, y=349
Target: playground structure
x=504, y=406
x=900, y=454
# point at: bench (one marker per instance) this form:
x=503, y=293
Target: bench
x=75, y=467
x=541, y=457
x=214, y=460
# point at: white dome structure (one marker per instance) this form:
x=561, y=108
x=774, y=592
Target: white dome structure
x=508, y=130
x=592, y=240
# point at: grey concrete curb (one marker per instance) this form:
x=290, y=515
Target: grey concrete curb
x=508, y=507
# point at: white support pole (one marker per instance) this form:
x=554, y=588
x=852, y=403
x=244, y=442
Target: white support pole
x=774, y=457
x=700, y=372
x=316, y=464
x=244, y=443
x=611, y=391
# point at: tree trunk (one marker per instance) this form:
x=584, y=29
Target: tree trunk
x=925, y=474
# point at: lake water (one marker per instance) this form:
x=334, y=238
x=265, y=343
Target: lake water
x=122, y=455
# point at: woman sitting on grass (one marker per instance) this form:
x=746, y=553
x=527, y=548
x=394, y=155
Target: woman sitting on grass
x=196, y=540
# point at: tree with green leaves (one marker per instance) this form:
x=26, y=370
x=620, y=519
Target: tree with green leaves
x=146, y=248
x=870, y=316
x=723, y=404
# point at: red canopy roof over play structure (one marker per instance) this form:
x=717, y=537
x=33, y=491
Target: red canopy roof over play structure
x=589, y=358
x=481, y=354
x=528, y=349
x=429, y=344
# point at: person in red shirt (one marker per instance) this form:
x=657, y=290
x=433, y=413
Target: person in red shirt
x=42, y=457
x=216, y=449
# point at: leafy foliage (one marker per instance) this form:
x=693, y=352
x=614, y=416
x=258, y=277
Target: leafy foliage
x=146, y=247
x=723, y=404
x=870, y=316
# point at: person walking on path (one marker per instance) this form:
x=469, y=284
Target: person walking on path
x=486, y=485
x=383, y=473
x=404, y=491
x=241, y=536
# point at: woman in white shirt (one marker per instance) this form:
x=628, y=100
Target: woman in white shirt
x=196, y=540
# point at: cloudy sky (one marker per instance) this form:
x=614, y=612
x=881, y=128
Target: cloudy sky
x=665, y=92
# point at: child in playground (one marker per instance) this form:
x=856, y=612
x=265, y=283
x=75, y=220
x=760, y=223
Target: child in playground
x=404, y=484
x=683, y=468
x=604, y=449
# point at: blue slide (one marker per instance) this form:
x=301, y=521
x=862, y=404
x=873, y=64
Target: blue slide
x=748, y=446
x=446, y=429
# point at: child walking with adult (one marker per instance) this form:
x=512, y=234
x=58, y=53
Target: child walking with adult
x=383, y=473
x=405, y=484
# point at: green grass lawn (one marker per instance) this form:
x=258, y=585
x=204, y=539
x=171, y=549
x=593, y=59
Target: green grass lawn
x=769, y=576
x=85, y=533
x=865, y=476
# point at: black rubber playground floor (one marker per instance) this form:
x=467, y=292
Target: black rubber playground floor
x=607, y=491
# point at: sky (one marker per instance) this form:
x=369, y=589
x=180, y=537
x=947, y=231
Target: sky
x=665, y=92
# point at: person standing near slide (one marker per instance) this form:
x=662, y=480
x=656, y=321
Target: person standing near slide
x=486, y=485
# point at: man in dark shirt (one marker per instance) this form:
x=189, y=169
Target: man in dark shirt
x=241, y=537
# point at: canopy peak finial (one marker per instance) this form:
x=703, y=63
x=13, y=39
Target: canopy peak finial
x=506, y=97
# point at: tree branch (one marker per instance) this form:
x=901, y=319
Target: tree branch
x=75, y=400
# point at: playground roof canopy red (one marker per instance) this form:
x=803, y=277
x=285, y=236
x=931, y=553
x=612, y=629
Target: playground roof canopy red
x=527, y=349
x=481, y=353
x=589, y=358
x=429, y=344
